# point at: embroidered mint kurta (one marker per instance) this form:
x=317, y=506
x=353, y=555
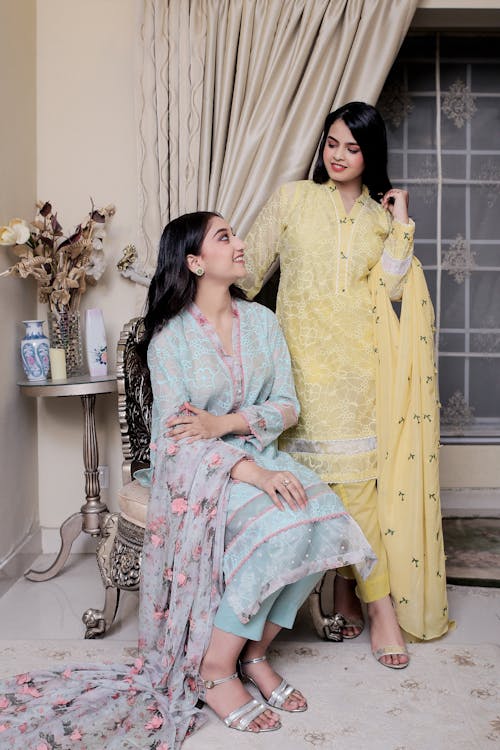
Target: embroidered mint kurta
x=324, y=305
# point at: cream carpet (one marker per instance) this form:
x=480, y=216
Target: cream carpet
x=447, y=699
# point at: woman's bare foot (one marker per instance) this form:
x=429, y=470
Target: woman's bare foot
x=230, y=695
x=385, y=632
x=348, y=605
x=266, y=679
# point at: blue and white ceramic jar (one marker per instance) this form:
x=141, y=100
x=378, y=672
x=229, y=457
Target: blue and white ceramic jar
x=35, y=351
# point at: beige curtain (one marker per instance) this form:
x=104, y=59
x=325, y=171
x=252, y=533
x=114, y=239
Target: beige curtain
x=233, y=95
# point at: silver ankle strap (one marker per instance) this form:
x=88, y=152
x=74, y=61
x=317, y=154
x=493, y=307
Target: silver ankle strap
x=208, y=684
x=254, y=661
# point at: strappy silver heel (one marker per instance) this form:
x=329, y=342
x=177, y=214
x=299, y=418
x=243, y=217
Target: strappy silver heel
x=244, y=715
x=328, y=627
x=279, y=695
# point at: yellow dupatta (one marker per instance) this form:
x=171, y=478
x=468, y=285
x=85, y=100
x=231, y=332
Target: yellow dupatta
x=408, y=455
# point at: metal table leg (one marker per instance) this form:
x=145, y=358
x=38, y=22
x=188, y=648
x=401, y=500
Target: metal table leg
x=91, y=514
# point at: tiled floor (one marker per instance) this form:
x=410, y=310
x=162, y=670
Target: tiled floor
x=53, y=609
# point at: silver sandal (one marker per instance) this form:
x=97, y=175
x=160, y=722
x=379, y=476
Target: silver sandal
x=328, y=627
x=244, y=715
x=279, y=695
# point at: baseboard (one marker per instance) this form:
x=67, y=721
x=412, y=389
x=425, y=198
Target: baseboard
x=13, y=567
x=471, y=501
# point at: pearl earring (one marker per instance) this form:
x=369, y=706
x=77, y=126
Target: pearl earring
x=199, y=271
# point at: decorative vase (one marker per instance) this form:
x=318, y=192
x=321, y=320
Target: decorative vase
x=35, y=351
x=95, y=343
x=65, y=333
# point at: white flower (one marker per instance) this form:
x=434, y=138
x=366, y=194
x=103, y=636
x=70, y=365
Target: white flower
x=97, y=266
x=22, y=230
x=16, y=233
x=7, y=236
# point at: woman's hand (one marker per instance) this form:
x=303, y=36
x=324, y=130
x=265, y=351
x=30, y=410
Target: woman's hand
x=281, y=486
x=198, y=425
x=201, y=425
x=398, y=206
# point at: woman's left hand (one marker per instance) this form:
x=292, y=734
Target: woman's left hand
x=398, y=206
x=199, y=425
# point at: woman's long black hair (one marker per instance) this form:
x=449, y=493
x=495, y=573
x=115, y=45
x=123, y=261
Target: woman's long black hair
x=173, y=285
x=368, y=129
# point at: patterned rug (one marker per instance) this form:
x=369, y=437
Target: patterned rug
x=447, y=698
x=472, y=547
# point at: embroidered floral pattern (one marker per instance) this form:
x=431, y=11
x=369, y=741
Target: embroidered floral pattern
x=459, y=260
x=458, y=103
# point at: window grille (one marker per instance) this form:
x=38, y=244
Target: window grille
x=441, y=104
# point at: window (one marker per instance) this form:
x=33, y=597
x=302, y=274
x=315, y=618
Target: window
x=441, y=104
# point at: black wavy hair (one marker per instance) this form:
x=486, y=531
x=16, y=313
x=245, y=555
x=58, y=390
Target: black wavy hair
x=368, y=129
x=173, y=285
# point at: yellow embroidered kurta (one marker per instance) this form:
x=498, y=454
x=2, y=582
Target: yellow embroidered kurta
x=325, y=308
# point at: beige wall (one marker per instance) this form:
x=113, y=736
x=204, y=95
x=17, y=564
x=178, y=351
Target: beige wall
x=18, y=432
x=86, y=147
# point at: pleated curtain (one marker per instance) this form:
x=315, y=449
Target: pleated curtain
x=233, y=94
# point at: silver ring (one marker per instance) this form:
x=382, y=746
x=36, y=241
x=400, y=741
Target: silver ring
x=285, y=482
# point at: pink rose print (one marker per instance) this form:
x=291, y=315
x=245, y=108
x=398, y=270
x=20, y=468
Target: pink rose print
x=179, y=505
x=3, y=727
x=172, y=449
x=23, y=728
x=156, y=541
x=216, y=460
x=152, y=446
x=196, y=509
x=181, y=579
x=76, y=735
x=22, y=678
x=4, y=703
x=163, y=746
x=155, y=723
x=42, y=746
x=168, y=574
x=27, y=690
x=67, y=673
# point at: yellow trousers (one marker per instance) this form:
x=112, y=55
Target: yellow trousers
x=360, y=500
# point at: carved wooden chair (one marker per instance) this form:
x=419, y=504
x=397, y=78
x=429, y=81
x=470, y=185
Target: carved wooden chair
x=119, y=550
x=122, y=534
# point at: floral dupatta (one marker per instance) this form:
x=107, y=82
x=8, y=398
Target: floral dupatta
x=151, y=705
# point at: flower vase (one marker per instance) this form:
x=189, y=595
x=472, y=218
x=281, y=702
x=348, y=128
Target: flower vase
x=35, y=351
x=65, y=333
x=95, y=343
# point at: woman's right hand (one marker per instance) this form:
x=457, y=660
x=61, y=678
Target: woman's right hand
x=281, y=486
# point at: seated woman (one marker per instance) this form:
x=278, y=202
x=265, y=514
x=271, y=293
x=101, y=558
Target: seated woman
x=222, y=394
x=237, y=534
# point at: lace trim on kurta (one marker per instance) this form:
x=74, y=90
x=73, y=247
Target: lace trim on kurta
x=357, y=445
x=393, y=266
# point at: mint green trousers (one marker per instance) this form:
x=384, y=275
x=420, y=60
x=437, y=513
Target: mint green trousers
x=280, y=607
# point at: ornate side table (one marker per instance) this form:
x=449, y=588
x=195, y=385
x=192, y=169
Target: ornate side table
x=93, y=512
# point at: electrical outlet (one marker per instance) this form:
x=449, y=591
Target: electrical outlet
x=103, y=477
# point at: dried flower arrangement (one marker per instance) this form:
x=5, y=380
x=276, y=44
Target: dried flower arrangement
x=62, y=266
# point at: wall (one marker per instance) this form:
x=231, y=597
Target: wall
x=86, y=147
x=18, y=433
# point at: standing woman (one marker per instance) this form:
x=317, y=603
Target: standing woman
x=340, y=239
